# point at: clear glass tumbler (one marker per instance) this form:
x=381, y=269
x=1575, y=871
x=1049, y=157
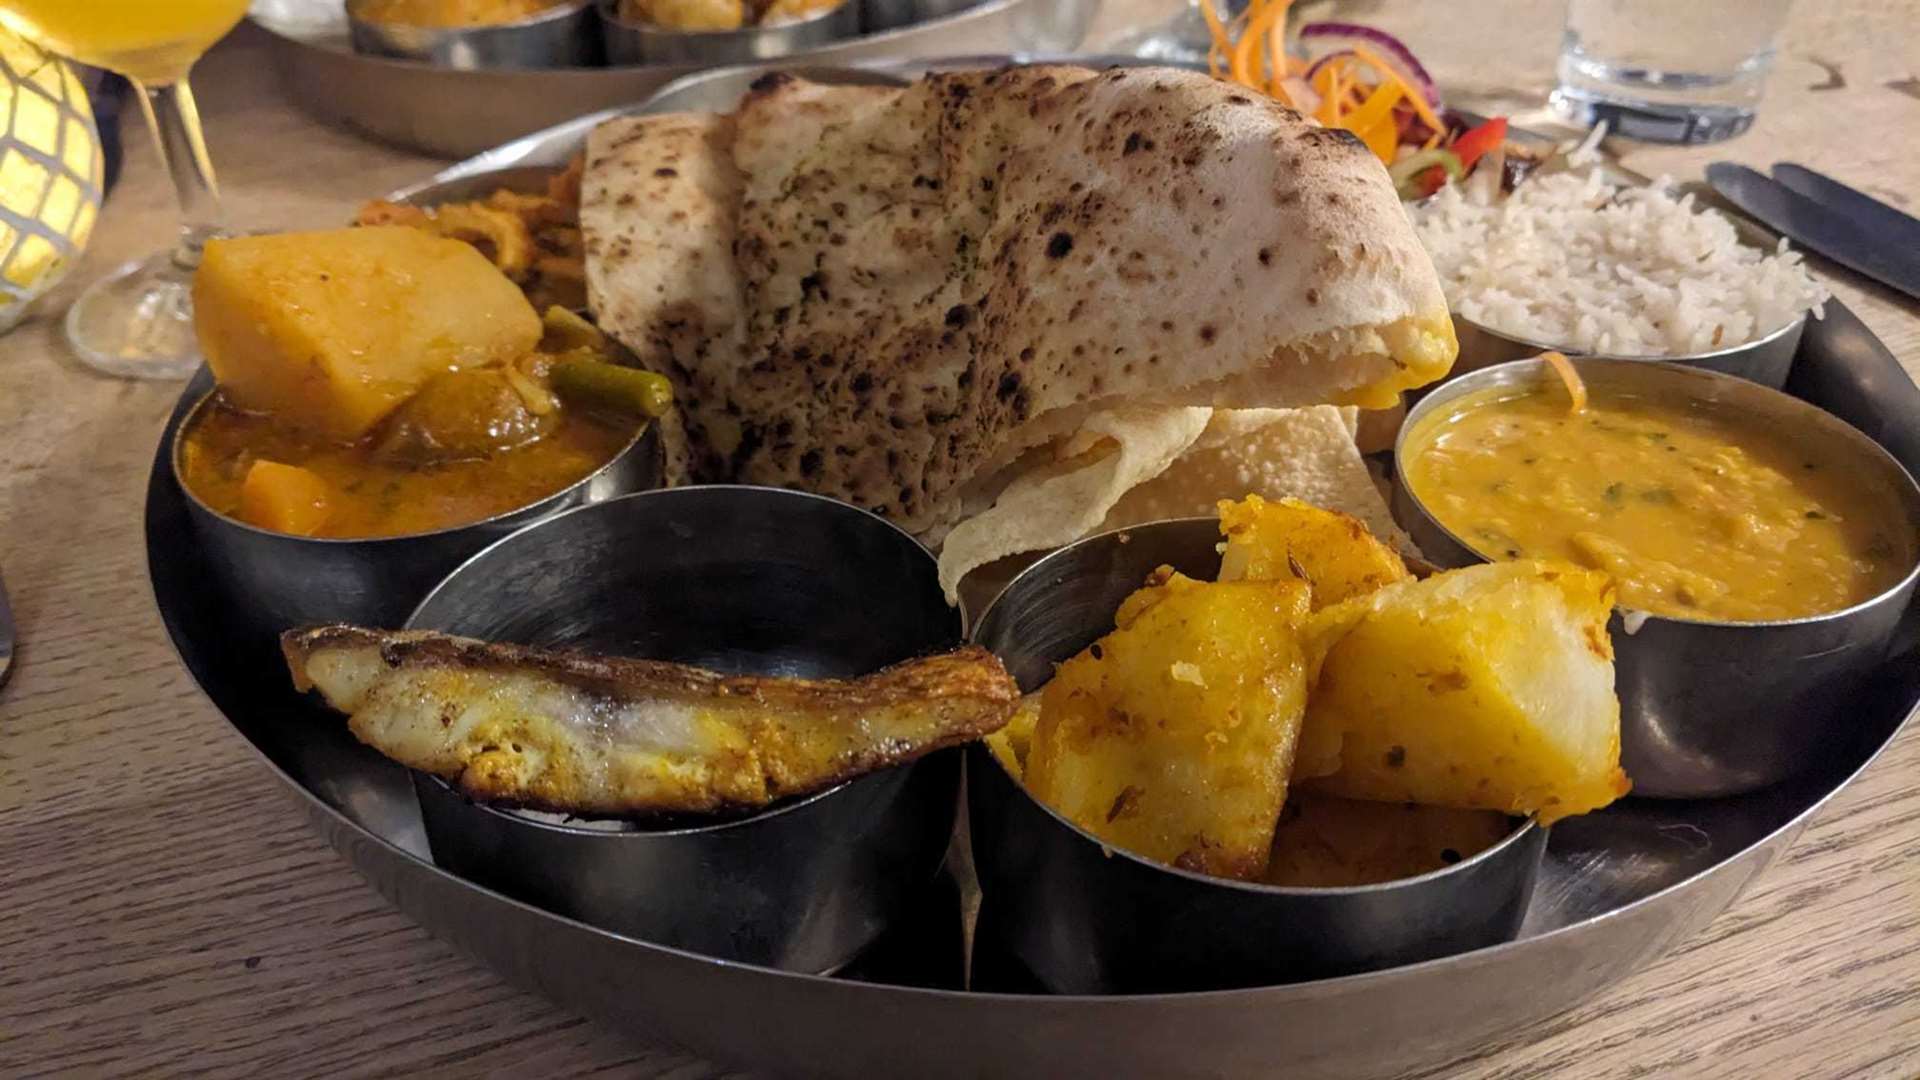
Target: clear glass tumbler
x=1182, y=39
x=1673, y=71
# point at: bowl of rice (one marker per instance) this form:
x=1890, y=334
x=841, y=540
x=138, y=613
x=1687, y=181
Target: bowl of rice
x=1577, y=262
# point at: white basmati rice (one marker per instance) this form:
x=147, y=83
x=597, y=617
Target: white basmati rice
x=1571, y=261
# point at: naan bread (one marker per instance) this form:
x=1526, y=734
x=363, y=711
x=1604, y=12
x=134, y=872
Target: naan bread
x=927, y=283
x=1050, y=504
x=1137, y=465
x=658, y=201
x=1306, y=454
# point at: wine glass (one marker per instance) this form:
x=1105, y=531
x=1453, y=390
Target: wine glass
x=138, y=320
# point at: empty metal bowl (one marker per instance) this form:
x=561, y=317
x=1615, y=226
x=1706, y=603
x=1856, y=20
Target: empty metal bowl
x=1766, y=361
x=1087, y=918
x=289, y=581
x=633, y=42
x=741, y=580
x=565, y=35
x=1707, y=708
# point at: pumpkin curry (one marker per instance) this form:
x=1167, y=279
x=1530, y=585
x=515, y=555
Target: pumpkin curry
x=1695, y=511
x=385, y=382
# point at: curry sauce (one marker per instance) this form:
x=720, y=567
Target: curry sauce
x=1694, y=510
x=368, y=494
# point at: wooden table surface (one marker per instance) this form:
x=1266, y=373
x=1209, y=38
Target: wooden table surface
x=166, y=908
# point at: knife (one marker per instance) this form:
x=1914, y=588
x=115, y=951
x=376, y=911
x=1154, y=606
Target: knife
x=1818, y=227
x=6, y=636
x=1894, y=227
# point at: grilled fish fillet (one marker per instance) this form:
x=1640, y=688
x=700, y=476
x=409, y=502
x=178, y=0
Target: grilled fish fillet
x=570, y=733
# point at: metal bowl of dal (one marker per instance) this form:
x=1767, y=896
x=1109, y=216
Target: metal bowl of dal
x=1708, y=707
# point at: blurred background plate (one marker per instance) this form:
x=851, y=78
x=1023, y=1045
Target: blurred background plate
x=454, y=113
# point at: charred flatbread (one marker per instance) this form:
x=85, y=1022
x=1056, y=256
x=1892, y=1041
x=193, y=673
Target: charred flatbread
x=917, y=287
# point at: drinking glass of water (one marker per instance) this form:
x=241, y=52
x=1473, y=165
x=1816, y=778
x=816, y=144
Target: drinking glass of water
x=1674, y=71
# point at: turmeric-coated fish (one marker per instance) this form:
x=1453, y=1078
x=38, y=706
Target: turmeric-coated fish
x=571, y=733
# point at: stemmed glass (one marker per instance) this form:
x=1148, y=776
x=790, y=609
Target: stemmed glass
x=138, y=320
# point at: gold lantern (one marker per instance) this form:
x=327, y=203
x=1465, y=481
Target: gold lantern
x=50, y=173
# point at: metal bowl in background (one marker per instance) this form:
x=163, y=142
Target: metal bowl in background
x=471, y=187
x=565, y=35
x=1766, y=360
x=1708, y=708
x=740, y=580
x=876, y=15
x=722, y=89
x=450, y=113
x=1086, y=918
x=632, y=42
x=287, y=581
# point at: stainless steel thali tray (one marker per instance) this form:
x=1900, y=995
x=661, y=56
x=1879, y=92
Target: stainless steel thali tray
x=452, y=113
x=1618, y=887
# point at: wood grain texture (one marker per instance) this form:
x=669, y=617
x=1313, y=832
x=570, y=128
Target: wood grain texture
x=166, y=909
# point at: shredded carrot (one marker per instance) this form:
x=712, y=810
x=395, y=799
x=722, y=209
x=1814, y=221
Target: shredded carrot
x=1576, y=389
x=1277, y=61
x=1330, y=105
x=1382, y=138
x=1414, y=96
x=1250, y=49
x=1271, y=14
x=1322, y=81
x=1215, y=31
x=1433, y=140
x=1378, y=106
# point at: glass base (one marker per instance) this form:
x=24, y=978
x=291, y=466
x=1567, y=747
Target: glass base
x=137, y=322
x=1180, y=41
x=1651, y=122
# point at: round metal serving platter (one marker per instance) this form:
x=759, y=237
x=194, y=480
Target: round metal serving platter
x=1618, y=887
x=453, y=113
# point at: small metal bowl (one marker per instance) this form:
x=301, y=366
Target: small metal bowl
x=1708, y=708
x=565, y=35
x=289, y=581
x=1086, y=918
x=630, y=42
x=1767, y=360
x=877, y=15
x=741, y=580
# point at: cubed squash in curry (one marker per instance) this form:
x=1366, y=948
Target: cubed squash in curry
x=329, y=331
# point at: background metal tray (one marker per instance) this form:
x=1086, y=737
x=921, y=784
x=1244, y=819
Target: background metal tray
x=451, y=113
x=1618, y=888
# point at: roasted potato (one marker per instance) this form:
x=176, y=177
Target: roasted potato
x=1332, y=552
x=1173, y=736
x=1324, y=842
x=1487, y=688
x=1009, y=745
